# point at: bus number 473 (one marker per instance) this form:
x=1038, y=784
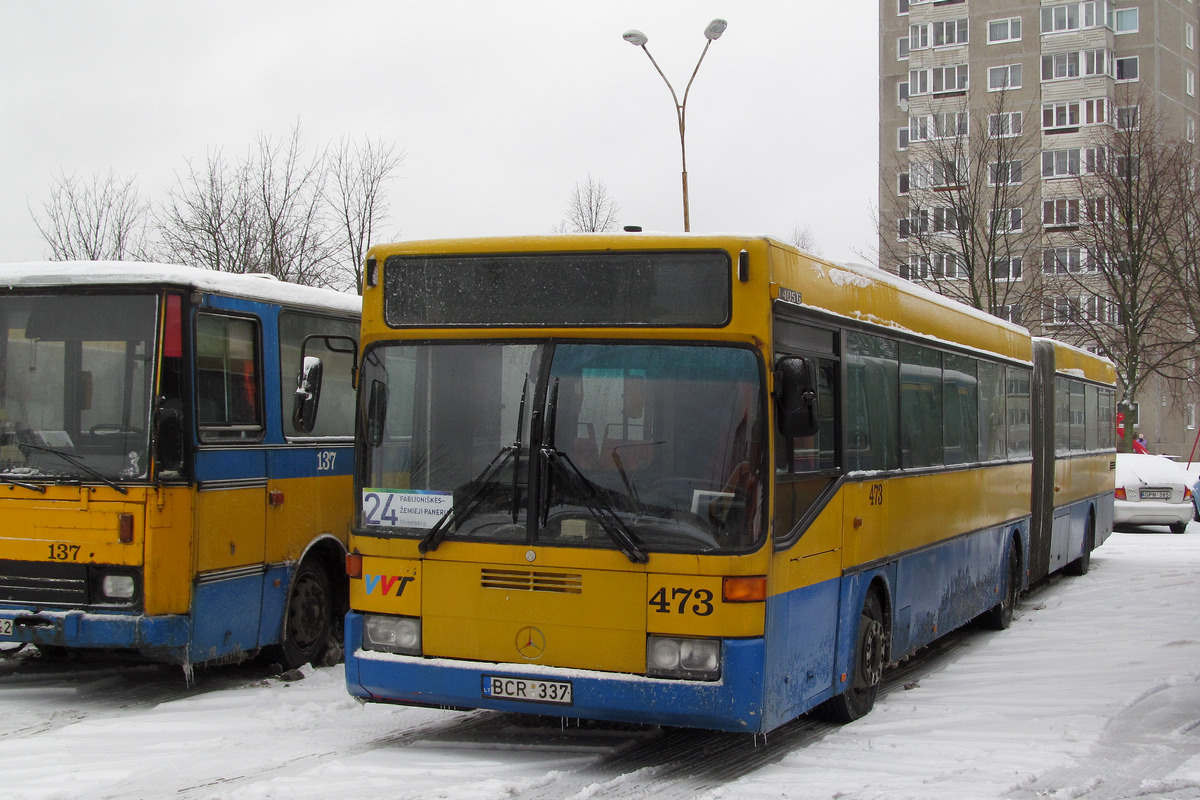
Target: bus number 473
x=678, y=601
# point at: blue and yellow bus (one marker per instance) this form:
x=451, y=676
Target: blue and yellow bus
x=703, y=481
x=156, y=493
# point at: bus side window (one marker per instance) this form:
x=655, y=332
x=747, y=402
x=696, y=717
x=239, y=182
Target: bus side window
x=228, y=378
x=336, y=417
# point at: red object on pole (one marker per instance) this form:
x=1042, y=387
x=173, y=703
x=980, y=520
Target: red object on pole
x=1121, y=424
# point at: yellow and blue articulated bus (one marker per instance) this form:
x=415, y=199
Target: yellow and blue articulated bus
x=702, y=481
x=156, y=492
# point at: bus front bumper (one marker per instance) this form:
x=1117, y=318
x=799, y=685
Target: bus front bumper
x=728, y=705
x=164, y=638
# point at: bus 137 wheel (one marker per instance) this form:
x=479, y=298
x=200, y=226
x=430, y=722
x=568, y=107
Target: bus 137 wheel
x=859, y=697
x=308, y=620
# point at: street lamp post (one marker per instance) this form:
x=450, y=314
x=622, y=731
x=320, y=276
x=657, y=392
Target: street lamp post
x=711, y=33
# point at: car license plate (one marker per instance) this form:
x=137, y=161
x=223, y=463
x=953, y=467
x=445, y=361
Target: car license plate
x=536, y=691
x=5, y=627
x=1156, y=494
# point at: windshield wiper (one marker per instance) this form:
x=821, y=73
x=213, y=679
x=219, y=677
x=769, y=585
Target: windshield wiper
x=37, y=487
x=76, y=462
x=593, y=501
x=475, y=488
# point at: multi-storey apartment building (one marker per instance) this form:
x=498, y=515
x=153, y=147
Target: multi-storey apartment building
x=998, y=105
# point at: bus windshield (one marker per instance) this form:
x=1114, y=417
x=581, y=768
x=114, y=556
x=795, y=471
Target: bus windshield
x=75, y=386
x=639, y=447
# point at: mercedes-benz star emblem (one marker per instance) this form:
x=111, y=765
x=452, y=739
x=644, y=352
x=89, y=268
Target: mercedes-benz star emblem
x=531, y=643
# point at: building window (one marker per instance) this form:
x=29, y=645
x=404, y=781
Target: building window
x=949, y=32
x=941, y=173
x=1189, y=416
x=1190, y=82
x=939, y=80
x=902, y=48
x=902, y=138
x=945, y=219
x=901, y=7
x=1009, y=313
x=1060, y=115
x=1006, y=220
x=1098, y=308
x=918, y=37
x=1006, y=269
x=1004, y=173
x=1125, y=20
x=1095, y=111
x=1060, y=163
x=902, y=182
x=948, y=265
x=1057, y=66
x=1128, y=118
x=1127, y=68
x=918, y=268
x=1004, y=77
x=1097, y=210
x=1062, y=260
x=1004, y=30
x=902, y=92
x=1060, y=213
x=937, y=126
x=1004, y=125
x=1074, y=16
x=1189, y=36
x=1189, y=127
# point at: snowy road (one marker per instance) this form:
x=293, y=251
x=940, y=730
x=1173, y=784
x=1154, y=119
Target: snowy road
x=1093, y=693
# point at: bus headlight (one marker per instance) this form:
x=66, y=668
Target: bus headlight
x=392, y=634
x=118, y=587
x=676, y=657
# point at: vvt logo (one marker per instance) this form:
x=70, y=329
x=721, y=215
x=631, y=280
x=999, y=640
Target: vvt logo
x=385, y=583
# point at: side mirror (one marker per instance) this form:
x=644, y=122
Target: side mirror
x=376, y=413
x=308, y=395
x=168, y=438
x=796, y=390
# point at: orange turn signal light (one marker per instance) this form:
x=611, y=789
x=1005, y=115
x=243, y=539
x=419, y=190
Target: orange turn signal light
x=354, y=565
x=744, y=589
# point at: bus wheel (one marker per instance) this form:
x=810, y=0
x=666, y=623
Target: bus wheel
x=859, y=698
x=308, y=620
x=1000, y=616
x=1081, y=565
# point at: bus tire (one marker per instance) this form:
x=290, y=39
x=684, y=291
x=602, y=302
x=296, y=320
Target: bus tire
x=1000, y=616
x=1081, y=565
x=308, y=618
x=869, y=660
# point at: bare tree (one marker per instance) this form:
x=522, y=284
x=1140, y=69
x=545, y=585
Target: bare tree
x=1122, y=249
x=357, y=173
x=266, y=213
x=802, y=238
x=957, y=219
x=591, y=209
x=290, y=191
x=101, y=220
x=210, y=218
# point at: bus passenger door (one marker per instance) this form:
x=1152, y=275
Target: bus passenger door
x=231, y=480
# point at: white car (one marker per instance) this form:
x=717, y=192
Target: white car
x=1152, y=490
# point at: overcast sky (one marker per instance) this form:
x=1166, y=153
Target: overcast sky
x=499, y=107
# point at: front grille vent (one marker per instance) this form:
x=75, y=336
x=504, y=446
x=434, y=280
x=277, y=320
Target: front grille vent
x=41, y=584
x=521, y=580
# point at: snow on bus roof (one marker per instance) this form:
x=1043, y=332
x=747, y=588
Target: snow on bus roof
x=266, y=288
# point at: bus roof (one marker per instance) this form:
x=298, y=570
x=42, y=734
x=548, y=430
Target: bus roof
x=265, y=288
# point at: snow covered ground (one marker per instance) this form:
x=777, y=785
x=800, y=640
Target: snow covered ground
x=1093, y=693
